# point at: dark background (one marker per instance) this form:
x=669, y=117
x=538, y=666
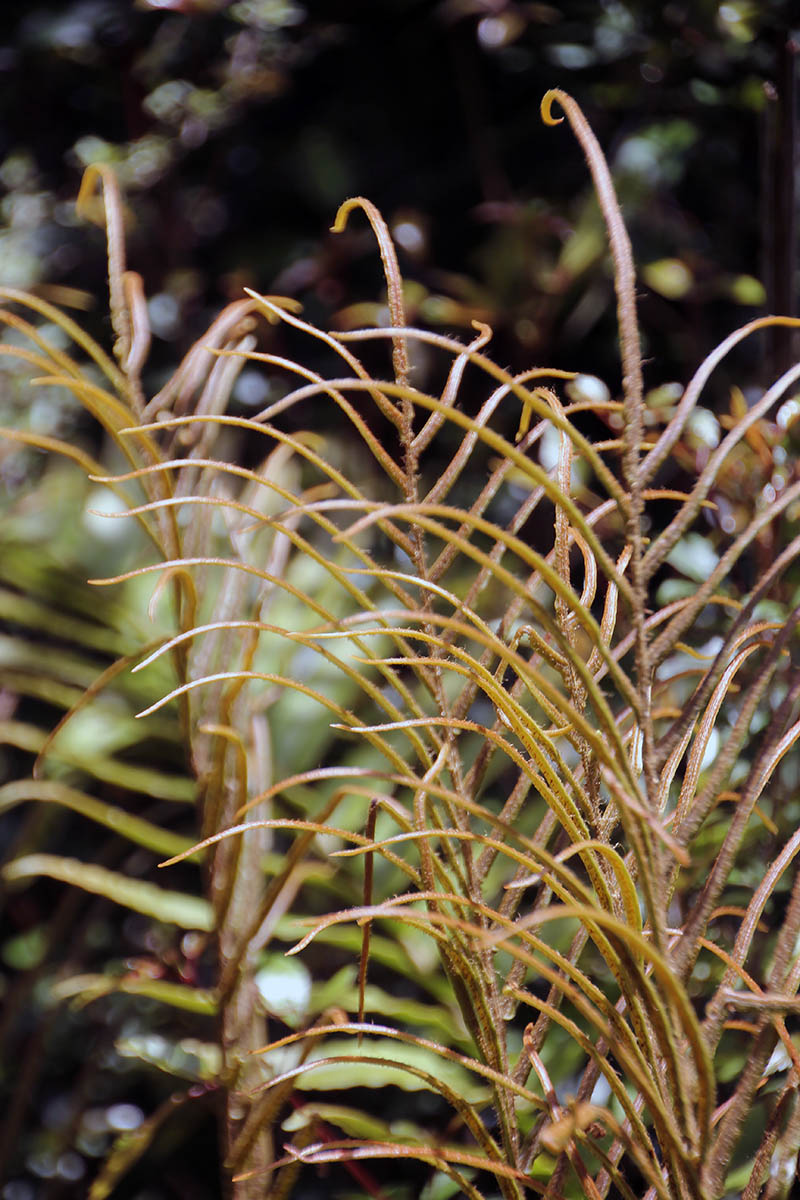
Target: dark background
x=238, y=128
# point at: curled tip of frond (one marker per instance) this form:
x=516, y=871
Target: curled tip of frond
x=391, y=271
x=345, y=209
x=546, y=107
x=95, y=172
x=485, y=334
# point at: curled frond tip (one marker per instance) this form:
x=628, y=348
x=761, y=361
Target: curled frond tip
x=546, y=107
x=344, y=210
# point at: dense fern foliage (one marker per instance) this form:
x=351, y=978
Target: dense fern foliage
x=485, y=700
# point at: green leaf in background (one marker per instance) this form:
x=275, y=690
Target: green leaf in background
x=25, y=951
x=746, y=289
x=132, y=776
x=186, y=1058
x=176, y=908
x=694, y=556
x=439, y=1021
x=669, y=277
x=337, y=1076
x=284, y=985
x=351, y=1121
x=86, y=988
x=441, y=1187
x=134, y=828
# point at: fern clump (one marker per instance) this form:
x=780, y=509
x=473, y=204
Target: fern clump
x=475, y=742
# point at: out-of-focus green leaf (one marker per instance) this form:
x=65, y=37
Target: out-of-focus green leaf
x=48, y=661
x=135, y=829
x=26, y=950
x=738, y=1179
x=91, y=987
x=694, y=556
x=343, y=1076
x=41, y=687
x=132, y=776
x=436, y=1020
x=187, y=1058
x=24, y=610
x=175, y=908
x=284, y=985
x=586, y=245
x=669, y=277
x=440, y=1187
x=746, y=289
x=382, y=950
x=351, y=1121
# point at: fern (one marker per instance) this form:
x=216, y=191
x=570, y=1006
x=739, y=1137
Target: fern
x=457, y=719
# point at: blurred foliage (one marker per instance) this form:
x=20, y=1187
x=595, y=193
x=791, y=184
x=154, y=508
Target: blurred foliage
x=236, y=128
